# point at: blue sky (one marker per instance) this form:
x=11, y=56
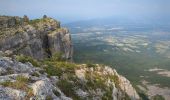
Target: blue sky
x=72, y=10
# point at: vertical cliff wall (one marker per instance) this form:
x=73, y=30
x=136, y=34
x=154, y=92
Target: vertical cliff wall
x=39, y=38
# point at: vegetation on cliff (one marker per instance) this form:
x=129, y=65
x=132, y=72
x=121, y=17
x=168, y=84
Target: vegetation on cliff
x=36, y=64
x=93, y=80
x=38, y=38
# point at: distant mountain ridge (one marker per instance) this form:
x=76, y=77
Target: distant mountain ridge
x=122, y=21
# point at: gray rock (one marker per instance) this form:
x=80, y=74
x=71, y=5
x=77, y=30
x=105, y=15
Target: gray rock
x=82, y=93
x=126, y=86
x=8, y=21
x=42, y=89
x=61, y=42
x=41, y=39
x=41, y=85
x=11, y=94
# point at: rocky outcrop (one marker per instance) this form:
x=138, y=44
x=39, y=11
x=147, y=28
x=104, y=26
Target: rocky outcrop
x=22, y=81
x=120, y=87
x=32, y=84
x=39, y=38
x=25, y=74
x=7, y=21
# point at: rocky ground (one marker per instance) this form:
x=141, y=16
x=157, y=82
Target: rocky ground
x=21, y=81
x=63, y=81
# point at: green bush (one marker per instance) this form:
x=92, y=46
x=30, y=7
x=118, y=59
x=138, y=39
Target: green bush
x=68, y=89
x=96, y=81
x=52, y=71
x=107, y=95
x=91, y=65
x=33, y=22
x=158, y=97
x=21, y=78
x=57, y=57
x=115, y=79
x=58, y=68
x=20, y=83
x=6, y=83
x=24, y=59
x=49, y=97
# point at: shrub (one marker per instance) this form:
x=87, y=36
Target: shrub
x=91, y=65
x=16, y=84
x=49, y=97
x=107, y=95
x=58, y=68
x=52, y=71
x=68, y=89
x=115, y=78
x=33, y=22
x=24, y=59
x=25, y=18
x=21, y=78
x=95, y=81
x=45, y=16
x=20, y=83
x=158, y=97
x=57, y=57
x=29, y=93
x=6, y=83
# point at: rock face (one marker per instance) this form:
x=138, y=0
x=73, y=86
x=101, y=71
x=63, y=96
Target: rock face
x=38, y=86
x=6, y=21
x=22, y=81
x=32, y=77
x=39, y=38
x=119, y=87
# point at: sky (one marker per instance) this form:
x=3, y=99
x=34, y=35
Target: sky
x=74, y=10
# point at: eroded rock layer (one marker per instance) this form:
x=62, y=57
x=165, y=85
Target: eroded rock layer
x=39, y=38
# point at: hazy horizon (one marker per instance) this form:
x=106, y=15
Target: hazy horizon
x=75, y=10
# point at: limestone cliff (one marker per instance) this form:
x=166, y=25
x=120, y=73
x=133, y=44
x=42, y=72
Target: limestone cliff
x=32, y=77
x=56, y=80
x=39, y=38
